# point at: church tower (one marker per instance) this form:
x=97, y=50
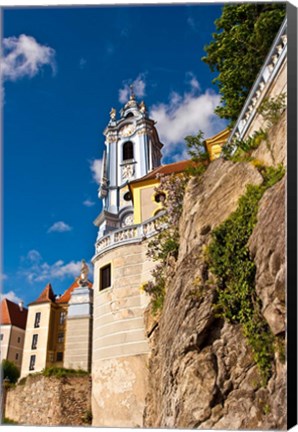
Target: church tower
x=132, y=150
x=119, y=343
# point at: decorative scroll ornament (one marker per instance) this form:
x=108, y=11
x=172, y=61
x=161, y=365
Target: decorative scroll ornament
x=127, y=130
x=128, y=220
x=127, y=172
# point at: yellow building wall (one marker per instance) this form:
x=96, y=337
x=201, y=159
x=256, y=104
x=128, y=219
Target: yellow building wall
x=16, y=343
x=145, y=205
x=43, y=338
x=5, y=332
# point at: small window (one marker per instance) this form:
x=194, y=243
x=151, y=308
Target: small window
x=128, y=151
x=37, y=320
x=19, y=340
x=1, y=337
x=34, y=341
x=17, y=356
x=130, y=114
x=32, y=362
x=105, y=277
x=62, y=317
x=160, y=197
x=59, y=356
x=127, y=196
x=60, y=337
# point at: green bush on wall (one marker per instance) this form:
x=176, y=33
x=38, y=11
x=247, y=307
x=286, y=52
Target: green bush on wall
x=229, y=259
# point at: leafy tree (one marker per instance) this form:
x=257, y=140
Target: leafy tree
x=244, y=35
x=198, y=153
x=10, y=371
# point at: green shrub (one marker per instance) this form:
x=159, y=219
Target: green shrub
x=10, y=371
x=229, y=259
x=59, y=372
x=7, y=420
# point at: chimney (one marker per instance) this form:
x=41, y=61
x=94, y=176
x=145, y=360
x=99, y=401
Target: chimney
x=21, y=304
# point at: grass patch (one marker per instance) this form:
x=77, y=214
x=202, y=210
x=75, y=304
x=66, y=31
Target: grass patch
x=63, y=372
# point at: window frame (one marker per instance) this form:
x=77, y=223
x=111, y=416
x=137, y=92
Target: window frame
x=32, y=362
x=37, y=320
x=103, y=286
x=34, y=341
x=62, y=317
x=60, y=337
x=58, y=355
x=127, y=150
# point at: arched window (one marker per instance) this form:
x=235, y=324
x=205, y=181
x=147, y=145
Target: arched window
x=130, y=114
x=128, y=151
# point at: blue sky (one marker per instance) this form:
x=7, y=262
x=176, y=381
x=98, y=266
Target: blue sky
x=64, y=68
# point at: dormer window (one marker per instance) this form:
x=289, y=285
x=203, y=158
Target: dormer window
x=130, y=114
x=128, y=151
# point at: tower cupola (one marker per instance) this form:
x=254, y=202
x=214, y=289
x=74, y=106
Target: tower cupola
x=133, y=149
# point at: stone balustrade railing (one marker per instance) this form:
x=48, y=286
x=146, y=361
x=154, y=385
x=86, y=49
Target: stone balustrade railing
x=129, y=234
x=269, y=70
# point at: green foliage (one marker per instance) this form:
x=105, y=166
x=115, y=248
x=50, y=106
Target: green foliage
x=165, y=245
x=272, y=108
x=245, y=32
x=198, y=153
x=63, y=372
x=229, y=259
x=9, y=371
x=244, y=148
x=7, y=420
x=87, y=417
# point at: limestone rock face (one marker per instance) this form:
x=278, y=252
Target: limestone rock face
x=210, y=201
x=201, y=369
x=267, y=248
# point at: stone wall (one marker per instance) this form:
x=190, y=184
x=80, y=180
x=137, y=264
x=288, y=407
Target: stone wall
x=50, y=401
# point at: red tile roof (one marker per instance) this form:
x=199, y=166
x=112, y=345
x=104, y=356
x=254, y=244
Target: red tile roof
x=66, y=295
x=46, y=296
x=165, y=169
x=11, y=314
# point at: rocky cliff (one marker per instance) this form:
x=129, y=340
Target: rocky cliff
x=202, y=370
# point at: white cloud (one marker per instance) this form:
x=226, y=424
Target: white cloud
x=96, y=166
x=24, y=56
x=11, y=295
x=59, y=227
x=139, y=88
x=192, y=80
x=185, y=115
x=33, y=256
x=88, y=203
x=39, y=272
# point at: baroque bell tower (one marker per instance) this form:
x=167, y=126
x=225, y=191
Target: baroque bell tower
x=132, y=150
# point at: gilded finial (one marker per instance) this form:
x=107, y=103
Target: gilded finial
x=113, y=114
x=142, y=107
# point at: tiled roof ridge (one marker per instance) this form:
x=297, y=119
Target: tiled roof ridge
x=47, y=295
x=12, y=314
x=65, y=297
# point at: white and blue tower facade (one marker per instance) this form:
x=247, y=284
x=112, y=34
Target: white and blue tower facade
x=132, y=150
x=119, y=344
